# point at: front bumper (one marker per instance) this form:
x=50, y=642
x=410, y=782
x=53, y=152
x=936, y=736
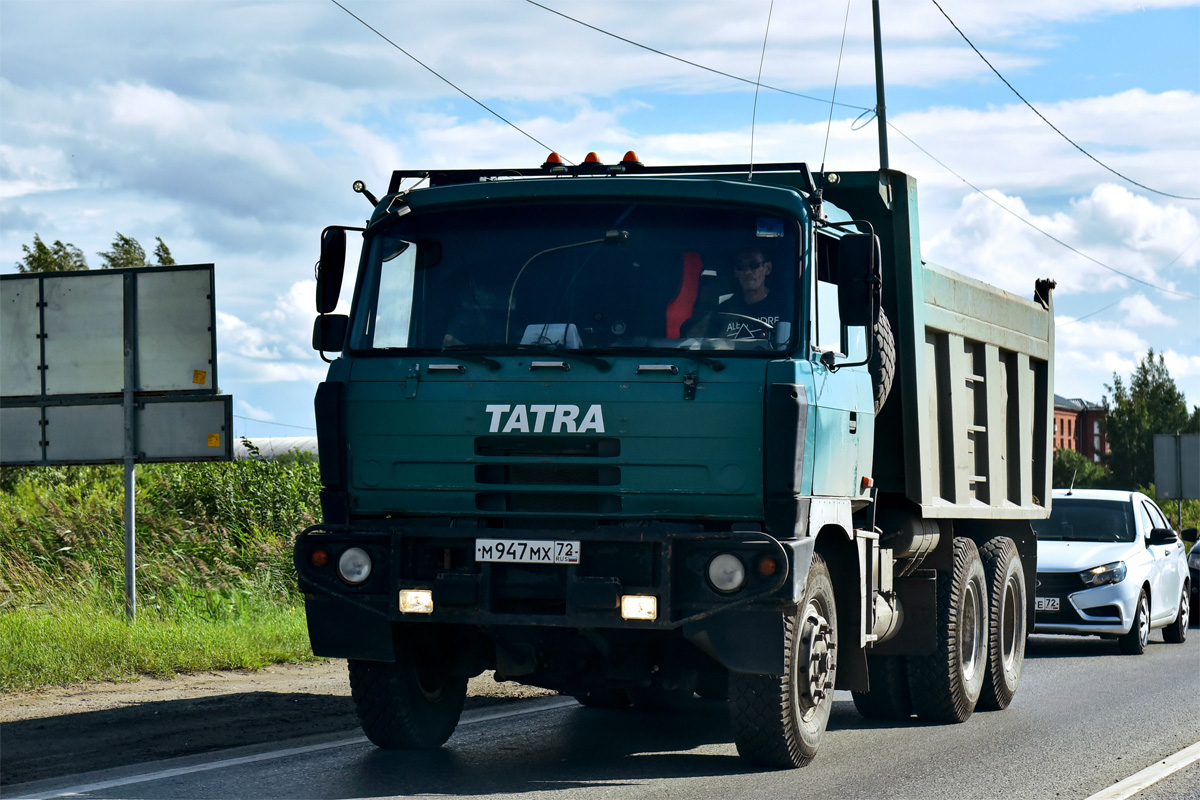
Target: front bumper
x=663, y=560
x=1103, y=610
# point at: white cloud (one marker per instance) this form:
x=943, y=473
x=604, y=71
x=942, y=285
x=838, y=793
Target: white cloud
x=1181, y=365
x=253, y=412
x=1140, y=312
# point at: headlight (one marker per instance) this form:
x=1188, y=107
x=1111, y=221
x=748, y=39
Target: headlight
x=354, y=565
x=726, y=573
x=1194, y=557
x=1106, y=573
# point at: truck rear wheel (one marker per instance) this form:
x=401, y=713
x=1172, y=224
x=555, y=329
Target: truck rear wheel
x=779, y=720
x=410, y=704
x=946, y=684
x=1007, y=603
x=888, y=696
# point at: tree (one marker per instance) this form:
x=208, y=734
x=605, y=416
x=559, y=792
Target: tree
x=58, y=257
x=162, y=253
x=1150, y=404
x=126, y=252
x=1074, y=469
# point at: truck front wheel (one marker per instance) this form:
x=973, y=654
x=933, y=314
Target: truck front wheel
x=410, y=704
x=1006, y=622
x=946, y=684
x=779, y=720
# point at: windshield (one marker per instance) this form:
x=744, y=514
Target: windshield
x=580, y=277
x=1087, y=521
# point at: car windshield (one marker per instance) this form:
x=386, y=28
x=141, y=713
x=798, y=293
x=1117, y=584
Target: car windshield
x=1079, y=520
x=583, y=277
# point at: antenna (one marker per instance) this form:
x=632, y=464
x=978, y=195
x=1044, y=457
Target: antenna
x=880, y=106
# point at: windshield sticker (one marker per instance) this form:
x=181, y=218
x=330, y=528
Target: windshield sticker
x=770, y=227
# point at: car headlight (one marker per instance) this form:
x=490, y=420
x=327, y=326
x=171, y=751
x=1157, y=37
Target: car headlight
x=1105, y=573
x=726, y=573
x=1194, y=557
x=354, y=565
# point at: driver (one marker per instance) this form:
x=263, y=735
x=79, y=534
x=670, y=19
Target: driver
x=752, y=314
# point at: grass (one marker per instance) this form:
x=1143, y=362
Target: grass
x=216, y=586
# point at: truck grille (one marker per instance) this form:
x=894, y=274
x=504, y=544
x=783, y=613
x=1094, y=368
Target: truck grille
x=548, y=474
x=548, y=502
x=547, y=447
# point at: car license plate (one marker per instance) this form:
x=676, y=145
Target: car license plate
x=1046, y=604
x=527, y=551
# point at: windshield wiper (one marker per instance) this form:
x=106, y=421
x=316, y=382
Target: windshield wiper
x=456, y=351
x=599, y=363
x=716, y=364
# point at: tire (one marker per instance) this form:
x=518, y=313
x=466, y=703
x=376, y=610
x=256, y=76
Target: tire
x=888, y=696
x=946, y=684
x=406, y=705
x=882, y=365
x=604, y=698
x=779, y=720
x=1176, y=632
x=1133, y=643
x=1007, y=607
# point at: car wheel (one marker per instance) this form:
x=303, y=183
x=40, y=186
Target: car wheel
x=1134, y=642
x=945, y=685
x=1006, y=622
x=1176, y=632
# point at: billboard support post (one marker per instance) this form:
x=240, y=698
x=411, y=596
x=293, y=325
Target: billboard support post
x=131, y=384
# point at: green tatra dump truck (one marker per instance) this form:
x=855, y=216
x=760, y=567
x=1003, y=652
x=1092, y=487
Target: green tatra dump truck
x=638, y=433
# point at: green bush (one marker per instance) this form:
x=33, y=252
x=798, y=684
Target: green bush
x=213, y=558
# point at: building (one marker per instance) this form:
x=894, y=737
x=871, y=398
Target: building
x=1078, y=427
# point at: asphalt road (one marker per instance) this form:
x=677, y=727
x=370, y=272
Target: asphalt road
x=1083, y=719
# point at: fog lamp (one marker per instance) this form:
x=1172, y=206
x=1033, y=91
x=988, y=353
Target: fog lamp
x=354, y=565
x=726, y=573
x=639, y=606
x=416, y=601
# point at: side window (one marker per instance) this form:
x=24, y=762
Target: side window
x=829, y=322
x=1160, y=519
x=394, y=309
x=1147, y=520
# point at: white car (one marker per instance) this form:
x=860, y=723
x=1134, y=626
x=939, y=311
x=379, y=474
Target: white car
x=1109, y=564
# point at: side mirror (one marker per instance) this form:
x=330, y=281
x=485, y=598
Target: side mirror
x=1189, y=535
x=858, y=277
x=329, y=333
x=330, y=269
x=1162, y=536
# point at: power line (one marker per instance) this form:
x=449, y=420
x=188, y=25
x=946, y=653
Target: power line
x=1049, y=236
x=757, y=84
x=445, y=80
x=689, y=63
x=890, y=125
x=280, y=424
x=1048, y=122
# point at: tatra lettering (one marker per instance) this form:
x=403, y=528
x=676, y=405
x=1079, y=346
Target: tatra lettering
x=559, y=418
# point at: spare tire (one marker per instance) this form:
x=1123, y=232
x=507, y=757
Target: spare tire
x=882, y=365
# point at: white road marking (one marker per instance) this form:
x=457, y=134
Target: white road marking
x=470, y=718
x=1150, y=775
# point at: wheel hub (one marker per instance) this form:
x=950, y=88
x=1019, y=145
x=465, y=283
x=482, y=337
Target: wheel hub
x=817, y=662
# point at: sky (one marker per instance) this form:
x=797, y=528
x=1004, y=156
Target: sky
x=234, y=130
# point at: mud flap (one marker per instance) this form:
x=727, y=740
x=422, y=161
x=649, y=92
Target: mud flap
x=338, y=629
x=748, y=639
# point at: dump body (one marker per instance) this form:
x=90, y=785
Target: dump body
x=630, y=435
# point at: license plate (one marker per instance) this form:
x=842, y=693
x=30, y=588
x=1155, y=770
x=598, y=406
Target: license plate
x=526, y=551
x=1046, y=604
